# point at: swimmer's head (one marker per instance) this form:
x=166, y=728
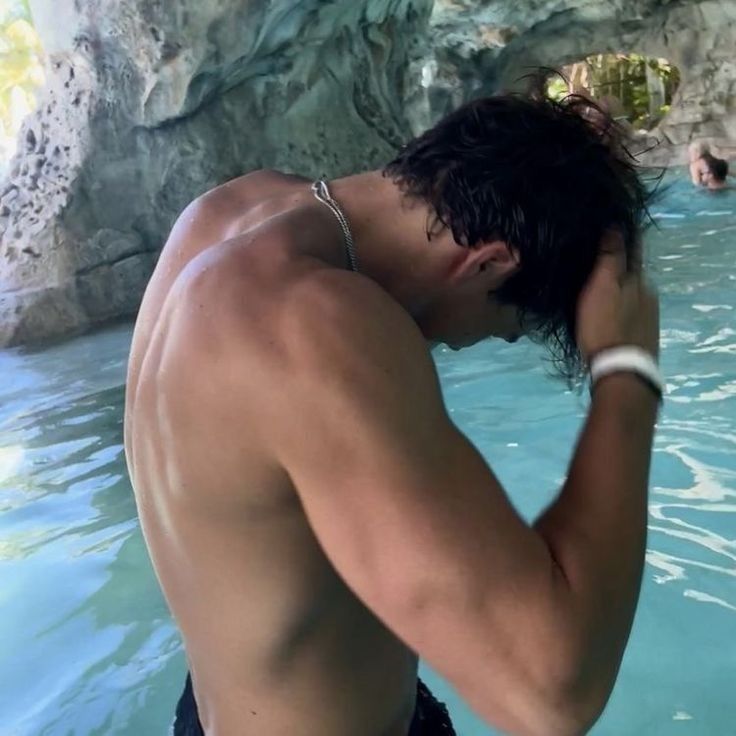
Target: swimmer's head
x=547, y=179
x=716, y=171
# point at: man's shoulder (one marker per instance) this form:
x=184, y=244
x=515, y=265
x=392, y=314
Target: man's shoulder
x=320, y=335
x=300, y=302
x=330, y=306
x=260, y=183
x=314, y=325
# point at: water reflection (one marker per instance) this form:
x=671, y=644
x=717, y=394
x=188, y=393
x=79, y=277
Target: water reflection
x=92, y=646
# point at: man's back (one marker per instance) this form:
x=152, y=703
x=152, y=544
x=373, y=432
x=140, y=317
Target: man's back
x=276, y=642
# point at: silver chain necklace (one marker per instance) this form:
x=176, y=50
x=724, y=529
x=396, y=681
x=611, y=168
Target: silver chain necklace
x=322, y=193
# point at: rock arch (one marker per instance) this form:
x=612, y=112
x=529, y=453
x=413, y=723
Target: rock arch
x=483, y=47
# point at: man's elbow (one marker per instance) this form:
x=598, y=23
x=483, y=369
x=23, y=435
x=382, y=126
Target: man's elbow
x=569, y=708
x=548, y=702
x=542, y=717
x=572, y=718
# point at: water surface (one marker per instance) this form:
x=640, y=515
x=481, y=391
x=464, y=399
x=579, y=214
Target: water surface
x=87, y=643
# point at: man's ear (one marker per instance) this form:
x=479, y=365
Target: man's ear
x=493, y=261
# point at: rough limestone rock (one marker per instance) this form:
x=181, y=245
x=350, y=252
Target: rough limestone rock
x=152, y=102
x=481, y=47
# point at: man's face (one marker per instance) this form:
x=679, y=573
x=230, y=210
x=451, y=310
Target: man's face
x=462, y=318
x=703, y=172
x=465, y=310
x=709, y=180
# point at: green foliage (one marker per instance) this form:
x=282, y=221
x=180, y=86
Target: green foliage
x=635, y=87
x=557, y=88
x=21, y=69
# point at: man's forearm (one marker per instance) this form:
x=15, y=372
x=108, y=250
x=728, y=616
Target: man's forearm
x=596, y=529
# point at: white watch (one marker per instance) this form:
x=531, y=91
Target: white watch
x=627, y=359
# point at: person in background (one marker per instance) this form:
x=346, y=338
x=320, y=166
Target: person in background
x=706, y=170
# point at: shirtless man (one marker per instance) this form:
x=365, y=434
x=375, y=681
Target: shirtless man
x=314, y=517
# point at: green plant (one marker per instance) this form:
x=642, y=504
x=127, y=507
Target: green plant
x=21, y=69
x=557, y=88
x=631, y=86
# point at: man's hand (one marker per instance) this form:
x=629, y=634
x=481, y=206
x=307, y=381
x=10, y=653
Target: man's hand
x=616, y=307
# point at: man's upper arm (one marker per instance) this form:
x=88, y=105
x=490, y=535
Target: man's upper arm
x=404, y=506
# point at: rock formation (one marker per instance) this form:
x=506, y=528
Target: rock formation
x=151, y=102
x=481, y=47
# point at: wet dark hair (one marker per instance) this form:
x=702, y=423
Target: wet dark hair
x=717, y=166
x=548, y=178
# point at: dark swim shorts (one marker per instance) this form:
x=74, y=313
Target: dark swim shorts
x=430, y=718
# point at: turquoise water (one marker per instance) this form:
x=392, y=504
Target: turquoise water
x=86, y=644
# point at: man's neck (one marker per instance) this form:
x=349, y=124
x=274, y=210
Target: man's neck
x=390, y=233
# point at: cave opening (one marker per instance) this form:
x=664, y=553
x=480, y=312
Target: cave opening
x=632, y=87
